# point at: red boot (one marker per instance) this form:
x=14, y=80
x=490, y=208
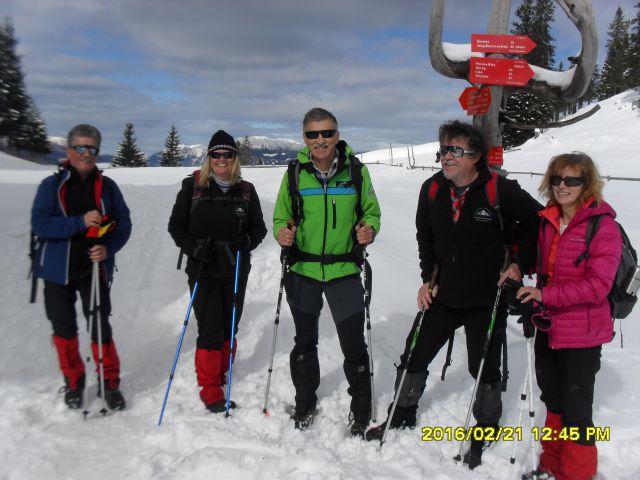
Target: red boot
x=70, y=360
x=550, y=456
x=208, y=365
x=110, y=361
x=225, y=359
x=577, y=462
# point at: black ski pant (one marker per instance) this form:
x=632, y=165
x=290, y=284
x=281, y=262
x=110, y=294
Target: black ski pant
x=439, y=324
x=566, y=378
x=60, y=307
x=345, y=297
x=213, y=308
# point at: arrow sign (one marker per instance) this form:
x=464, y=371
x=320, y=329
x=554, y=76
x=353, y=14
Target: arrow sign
x=511, y=44
x=500, y=71
x=475, y=100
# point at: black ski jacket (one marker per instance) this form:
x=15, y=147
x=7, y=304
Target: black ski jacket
x=216, y=217
x=471, y=252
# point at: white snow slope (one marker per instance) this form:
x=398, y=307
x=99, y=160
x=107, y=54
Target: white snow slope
x=41, y=438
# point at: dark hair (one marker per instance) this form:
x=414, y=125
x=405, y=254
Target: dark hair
x=84, y=130
x=456, y=129
x=593, y=184
x=318, y=114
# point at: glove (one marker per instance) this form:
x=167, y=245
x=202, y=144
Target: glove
x=534, y=316
x=202, y=253
x=241, y=240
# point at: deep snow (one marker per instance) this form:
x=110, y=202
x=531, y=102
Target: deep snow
x=41, y=437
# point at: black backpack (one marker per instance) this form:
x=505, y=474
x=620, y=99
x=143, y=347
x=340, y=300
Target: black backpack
x=620, y=301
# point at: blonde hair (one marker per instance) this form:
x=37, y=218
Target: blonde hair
x=205, y=170
x=592, y=186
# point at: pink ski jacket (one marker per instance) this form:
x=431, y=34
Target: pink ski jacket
x=576, y=295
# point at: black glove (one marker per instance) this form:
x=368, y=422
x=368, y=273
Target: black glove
x=509, y=290
x=203, y=253
x=528, y=328
x=534, y=316
x=241, y=240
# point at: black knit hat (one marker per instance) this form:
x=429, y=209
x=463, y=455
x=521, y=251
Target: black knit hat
x=221, y=140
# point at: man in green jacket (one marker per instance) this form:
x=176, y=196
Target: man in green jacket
x=325, y=229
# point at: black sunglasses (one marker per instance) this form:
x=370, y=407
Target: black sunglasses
x=556, y=180
x=80, y=149
x=227, y=155
x=455, y=150
x=313, y=134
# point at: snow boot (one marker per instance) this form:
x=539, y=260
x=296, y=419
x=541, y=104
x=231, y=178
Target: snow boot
x=208, y=375
x=224, y=366
x=221, y=406
x=577, y=462
x=403, y=417
x=73, y=396
x=550, y=456
x=70, y=362
x=473, y=457
x=537, y=475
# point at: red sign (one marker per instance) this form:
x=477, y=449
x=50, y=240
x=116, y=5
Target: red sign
x=495, y=157
x=475, y=100
x=500, y=71
x=512, y=44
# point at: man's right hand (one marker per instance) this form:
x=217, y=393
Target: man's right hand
x=426, y=294
x=286, y=235
x=92, y=218
x=203, y=253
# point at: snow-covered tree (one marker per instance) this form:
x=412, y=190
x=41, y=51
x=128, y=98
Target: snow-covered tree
x=172, y=155
x=128, y=154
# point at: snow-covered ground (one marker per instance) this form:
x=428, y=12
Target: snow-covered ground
x=41, y=438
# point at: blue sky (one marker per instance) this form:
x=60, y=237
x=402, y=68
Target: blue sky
x=251, y=67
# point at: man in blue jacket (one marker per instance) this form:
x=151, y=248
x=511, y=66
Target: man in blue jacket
x=67, y=205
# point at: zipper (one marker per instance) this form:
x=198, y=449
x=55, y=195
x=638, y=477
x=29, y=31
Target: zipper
x=326, y=214
x=333, y=203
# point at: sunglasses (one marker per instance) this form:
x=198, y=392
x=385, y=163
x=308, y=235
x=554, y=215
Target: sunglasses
x=313, y=134
x=556, y=180
x=455, y=150
x=227, y=155
x=80, y=149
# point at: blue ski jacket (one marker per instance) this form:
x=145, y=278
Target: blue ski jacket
x=54, y=228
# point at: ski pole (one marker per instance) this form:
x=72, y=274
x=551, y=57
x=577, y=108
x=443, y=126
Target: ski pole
x=98, y=319
x=180, y=340
x=85, y=392
x=233, y=330
x=366, y=272
x=284, y=257
x=414, y=339
x=483, y=358
x=531, y=411
x=523, y=398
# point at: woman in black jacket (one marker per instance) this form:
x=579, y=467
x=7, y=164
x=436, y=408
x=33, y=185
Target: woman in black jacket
x=216, y=214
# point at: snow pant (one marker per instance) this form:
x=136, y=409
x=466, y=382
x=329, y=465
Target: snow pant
x=566, y=378
x=59, y=302
x=439, y=323
x=213, y=308
x=345, y=297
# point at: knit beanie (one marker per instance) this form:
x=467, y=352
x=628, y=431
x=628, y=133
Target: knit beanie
x=221, y=140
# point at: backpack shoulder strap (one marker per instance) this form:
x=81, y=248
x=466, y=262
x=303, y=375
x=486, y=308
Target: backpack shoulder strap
x=293, y=172
x=432, y=192
x=592, y=228
x=493, y=197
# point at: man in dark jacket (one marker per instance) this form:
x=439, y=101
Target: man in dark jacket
x=460, y=230
x=68, y=205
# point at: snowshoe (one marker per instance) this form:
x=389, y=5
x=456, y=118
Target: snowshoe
x=73, y=397
x=358, y=429
x=473, y=457
x=221, y=406
x=537, y=475
x=302, y=421
x=115, y=399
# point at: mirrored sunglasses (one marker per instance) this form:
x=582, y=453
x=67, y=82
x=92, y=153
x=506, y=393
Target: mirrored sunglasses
x=455, y=150
x=556, y=180
x=227, y=155
x=80, y=149
x=313, y=134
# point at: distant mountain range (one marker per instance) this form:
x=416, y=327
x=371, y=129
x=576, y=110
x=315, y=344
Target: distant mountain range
x=265, y=151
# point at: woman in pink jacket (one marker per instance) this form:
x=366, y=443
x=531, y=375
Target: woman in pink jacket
x=574, y=291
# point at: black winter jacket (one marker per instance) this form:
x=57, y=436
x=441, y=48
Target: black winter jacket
x=471, y=252
x=221, y=217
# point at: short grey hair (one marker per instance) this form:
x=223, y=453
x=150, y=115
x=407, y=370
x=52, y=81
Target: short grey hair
x=84, y=130
x=318, y=114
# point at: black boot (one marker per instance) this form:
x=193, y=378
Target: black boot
x=112, y=394
x=473, y=457
x=403, y=417
x=221, y=406
x=73, y=397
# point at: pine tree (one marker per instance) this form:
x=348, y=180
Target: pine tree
x=128, y=154
x=245, y=151
x=634, y=49
x=172, y=155
x=616, y=71
x=21, y=126
x=533, y=19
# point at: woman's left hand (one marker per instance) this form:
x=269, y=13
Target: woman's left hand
x=526, y=294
